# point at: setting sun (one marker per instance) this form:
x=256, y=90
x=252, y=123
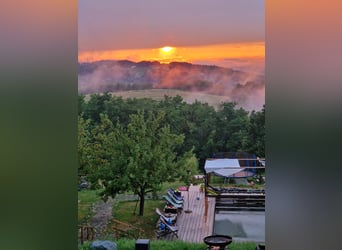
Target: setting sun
x=167, y=54
x=166, y=49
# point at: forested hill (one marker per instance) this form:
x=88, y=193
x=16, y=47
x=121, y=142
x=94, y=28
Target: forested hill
x=205, y=129
x=244, y=88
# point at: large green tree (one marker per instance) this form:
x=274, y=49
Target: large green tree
x=231, y=128
x=142, y=156
x=256, y=133
x=83, y=146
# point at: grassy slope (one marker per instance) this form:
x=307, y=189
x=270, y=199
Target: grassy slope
x=158, y=94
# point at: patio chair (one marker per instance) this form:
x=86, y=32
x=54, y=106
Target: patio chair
x=174, y=198
x=166, y=229
x=172, y=218
x=169, y=200
x=176, y=195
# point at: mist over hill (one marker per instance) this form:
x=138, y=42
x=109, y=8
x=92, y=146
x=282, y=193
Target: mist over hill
x=245, y=88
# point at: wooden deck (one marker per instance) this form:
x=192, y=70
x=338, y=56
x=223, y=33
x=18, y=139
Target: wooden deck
x=194, y=226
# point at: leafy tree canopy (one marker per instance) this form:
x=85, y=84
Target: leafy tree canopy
x=138, y=157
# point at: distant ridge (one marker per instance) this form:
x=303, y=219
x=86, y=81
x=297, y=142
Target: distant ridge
x=113, y=76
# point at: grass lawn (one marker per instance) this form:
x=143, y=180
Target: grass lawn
x=86, y=200
x=124, y=211
x=124, y=244
x=128, y=211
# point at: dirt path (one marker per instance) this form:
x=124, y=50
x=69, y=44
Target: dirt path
x=102, y=215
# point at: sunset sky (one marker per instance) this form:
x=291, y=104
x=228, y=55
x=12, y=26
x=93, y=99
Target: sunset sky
x=195, y=30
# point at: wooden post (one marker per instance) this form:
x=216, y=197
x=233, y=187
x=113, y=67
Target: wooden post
x=88, y=233
x=81, y=234
x=205, y=209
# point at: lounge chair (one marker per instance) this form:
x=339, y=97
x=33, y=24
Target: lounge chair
x=169, y=200
x=173, y=218
x=176, y=195
x=167, y=229
x=174, y=198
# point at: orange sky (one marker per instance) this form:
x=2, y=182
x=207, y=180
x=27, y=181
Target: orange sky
x=180, y=54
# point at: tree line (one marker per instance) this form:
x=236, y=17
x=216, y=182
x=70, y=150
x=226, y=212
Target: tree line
x=136, y=144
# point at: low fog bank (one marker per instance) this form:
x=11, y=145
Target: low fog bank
x=245, y=85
